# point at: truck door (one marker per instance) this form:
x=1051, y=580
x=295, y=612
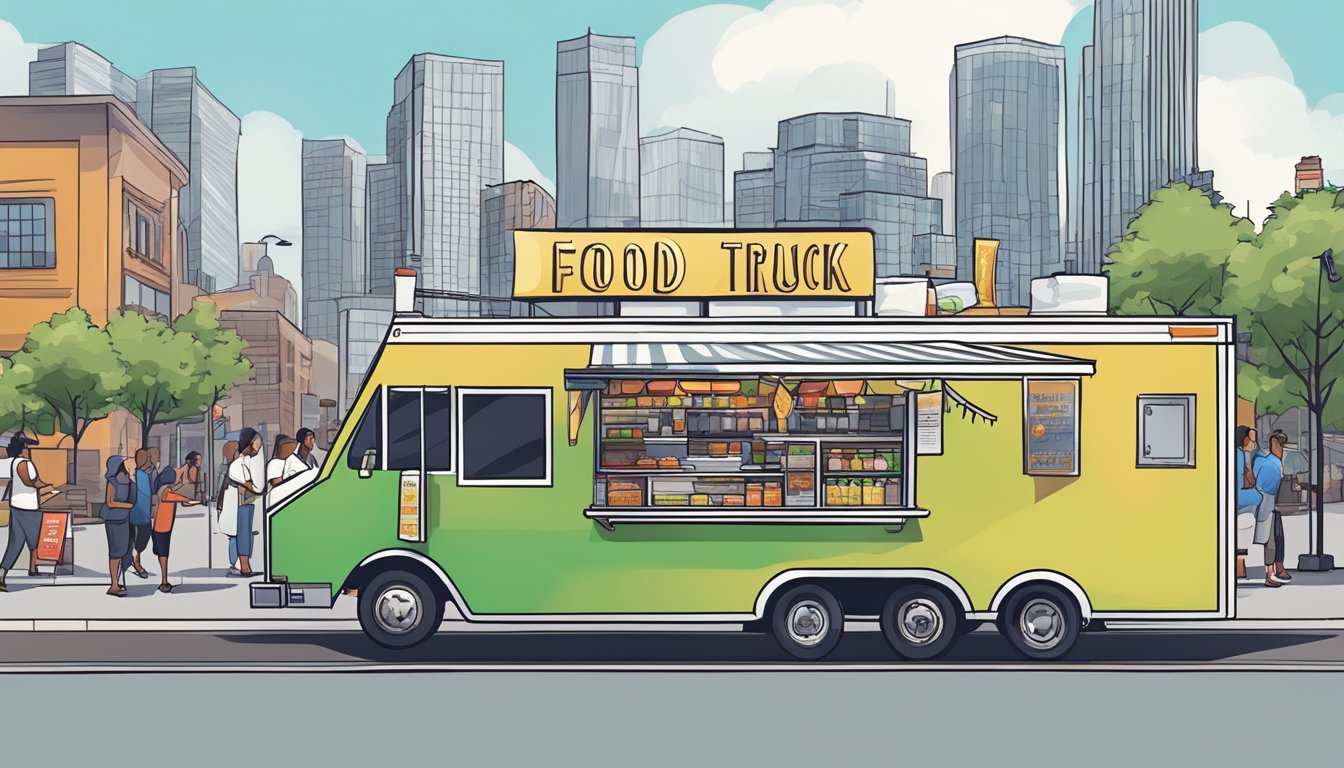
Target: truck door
x=410, y=437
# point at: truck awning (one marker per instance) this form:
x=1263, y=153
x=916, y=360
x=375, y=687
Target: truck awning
x=932, y=359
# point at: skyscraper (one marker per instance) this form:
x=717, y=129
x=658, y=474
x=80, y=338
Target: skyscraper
x=507, y=207
x=681, y=179
x=203, y=133
x=1143, y=88
x=383, y=212
x=944, y=187
x=334, y=244
x=1008, y=161
x=597, y=132
x=754, y=191
x=445, y=137
x=70, y=69
x=855, y=170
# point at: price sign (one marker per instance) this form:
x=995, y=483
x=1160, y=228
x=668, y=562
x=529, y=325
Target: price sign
x=411, y=507
x=51, y=535
x=1050, y=420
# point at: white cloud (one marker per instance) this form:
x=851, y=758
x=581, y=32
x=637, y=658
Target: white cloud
x=14, y=57
x=519, y=167
x=736, y=72
x=270, y=188
x=1255, y=123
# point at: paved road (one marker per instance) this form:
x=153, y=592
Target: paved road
x=1226, y=649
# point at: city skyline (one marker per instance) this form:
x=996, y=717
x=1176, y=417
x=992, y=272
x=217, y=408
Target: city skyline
x=1237, y=51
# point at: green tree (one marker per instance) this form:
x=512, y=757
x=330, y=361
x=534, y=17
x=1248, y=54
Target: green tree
x=160, y=364
x=1295, y=316
x=74, y=371
x=1173, y=258
x=20, y=409
x=219, y=365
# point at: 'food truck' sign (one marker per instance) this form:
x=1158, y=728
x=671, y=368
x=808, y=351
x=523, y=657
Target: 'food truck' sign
x=724, y=264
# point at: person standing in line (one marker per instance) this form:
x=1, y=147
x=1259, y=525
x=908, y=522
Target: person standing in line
x=173, y=487
x=226, y=503
x=141, y=511
x=1248, y=498
x=248, y=488
x=117, y=503
x=1268, y=469
x=26, y=493
x=307, y=442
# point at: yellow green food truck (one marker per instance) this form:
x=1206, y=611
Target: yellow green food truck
x=780, y=473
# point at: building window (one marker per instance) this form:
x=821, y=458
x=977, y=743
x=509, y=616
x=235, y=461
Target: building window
x=27, y=233
x=146, y=298
x=144, y=232
x=505, y=437
x=1166, y=431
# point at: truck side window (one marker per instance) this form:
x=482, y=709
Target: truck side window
x=403, y=429
x=367, y=433
x=505, y=437
x=438, y=430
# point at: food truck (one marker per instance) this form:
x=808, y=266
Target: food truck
x=782, y=473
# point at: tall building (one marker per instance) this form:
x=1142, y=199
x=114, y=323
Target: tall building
x=1085, y=257
x=754, y=191
x=507, y=207
x=335, y=250
x=943, y=187
x=203, y=133
x=1008, y=159
x=1143, y=87
x=597, y=132
x=681, y=179
x=363, y=322
x=70, y=69
x=383, y=212
x=445, y=137
x=1308, y=175
x=855, y=170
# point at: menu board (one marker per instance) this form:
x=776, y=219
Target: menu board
x=51, y=535
x=1050, y=422
x=929, y=423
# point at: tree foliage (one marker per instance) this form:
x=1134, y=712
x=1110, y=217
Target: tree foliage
x=219, y=365
x=1173, y=258
x=20, y=409
x=74, y=371
x=160, y=365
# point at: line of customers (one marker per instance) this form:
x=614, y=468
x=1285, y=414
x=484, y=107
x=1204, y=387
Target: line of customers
x=140, y=506
x=248, y=480
x=1260, y=477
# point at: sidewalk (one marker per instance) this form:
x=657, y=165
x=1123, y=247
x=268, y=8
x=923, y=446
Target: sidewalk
x=1310, y=596
x=204, y=597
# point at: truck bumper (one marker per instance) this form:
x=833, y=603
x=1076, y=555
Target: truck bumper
x=282, y=594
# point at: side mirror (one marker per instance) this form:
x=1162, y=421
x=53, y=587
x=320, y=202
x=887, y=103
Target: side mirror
x=368, y=463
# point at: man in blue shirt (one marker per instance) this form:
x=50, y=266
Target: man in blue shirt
x=140, y=512
x=1248, y=498
x=1268, y=469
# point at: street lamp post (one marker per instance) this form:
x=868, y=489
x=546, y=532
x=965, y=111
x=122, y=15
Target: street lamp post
x=1318, y=560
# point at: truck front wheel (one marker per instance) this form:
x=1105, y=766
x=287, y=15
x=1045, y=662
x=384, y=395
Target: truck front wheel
x=398, y=610
x=1041, y=622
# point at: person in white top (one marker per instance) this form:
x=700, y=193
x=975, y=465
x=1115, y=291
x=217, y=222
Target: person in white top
x=26, y=493
x=235, y=519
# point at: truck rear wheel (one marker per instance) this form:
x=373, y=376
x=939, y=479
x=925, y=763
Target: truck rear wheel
x=398, y=610
x=807, y=622
x=1041, y=622
x=919, y=622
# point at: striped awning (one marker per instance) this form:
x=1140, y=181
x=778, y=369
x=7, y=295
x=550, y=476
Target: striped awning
x=849, y=359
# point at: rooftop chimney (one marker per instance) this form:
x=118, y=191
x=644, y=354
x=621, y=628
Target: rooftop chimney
x=403, y=291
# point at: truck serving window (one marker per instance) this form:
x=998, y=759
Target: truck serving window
x=505, y=437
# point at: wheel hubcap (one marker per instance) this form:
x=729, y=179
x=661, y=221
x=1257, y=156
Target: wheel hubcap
x=807, y=623
x=397, y=610
x=919, y=621
x=1041, y=624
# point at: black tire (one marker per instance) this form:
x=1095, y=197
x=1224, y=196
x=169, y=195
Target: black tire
x=920, y=622
x=1053, y=615
x=817, y=622
x=394, y=597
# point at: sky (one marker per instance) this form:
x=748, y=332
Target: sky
x=1270, y=92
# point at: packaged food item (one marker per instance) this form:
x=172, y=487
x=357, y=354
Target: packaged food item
x=869, y=462
x=800, y=482
x=856, y=463
x=755, y=494
x=671, y=500
x=647, y=463
x=773, y=496
x=699, y=499
x=836, y=462
x=632, y=386
x=834, y=497
x=624, y=494
x=669, y=462
x=718, y=450
x=872, y=495
x=644, y=402
x=854, y=494
x=734, y=500
x=842, y=493
x=662, y=387
x=880, y=463
x=679, y=426
x=892, y=492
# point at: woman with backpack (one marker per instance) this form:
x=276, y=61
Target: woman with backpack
x=117, y=503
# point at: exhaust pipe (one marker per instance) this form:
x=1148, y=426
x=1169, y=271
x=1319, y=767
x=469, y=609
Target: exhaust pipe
x=403, y=291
